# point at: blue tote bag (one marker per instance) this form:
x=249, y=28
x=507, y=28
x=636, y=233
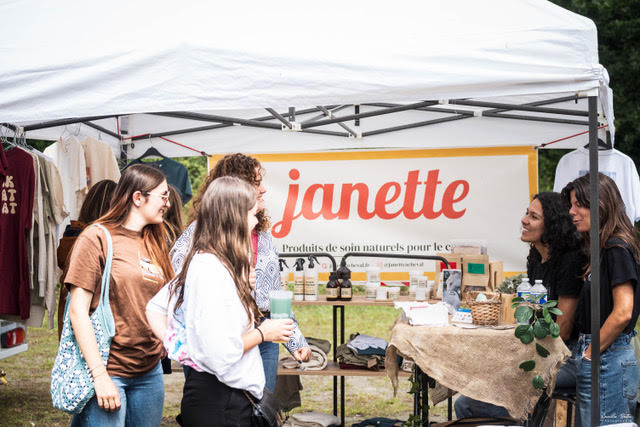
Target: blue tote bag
x=71, y=381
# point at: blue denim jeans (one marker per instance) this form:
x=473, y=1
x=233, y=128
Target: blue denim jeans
x=142, y=399
x=269, y=353
x=618, y=382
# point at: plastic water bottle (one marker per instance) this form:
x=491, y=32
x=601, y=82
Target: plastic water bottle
x=524, y=289
x=539, y=292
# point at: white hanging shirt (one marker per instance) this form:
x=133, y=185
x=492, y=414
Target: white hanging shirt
x=613, y=163
x=68, y=156
x=100, y=160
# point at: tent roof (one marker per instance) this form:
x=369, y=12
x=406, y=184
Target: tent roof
x=75, y=59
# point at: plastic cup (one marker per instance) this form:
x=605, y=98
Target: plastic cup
x=280, y=305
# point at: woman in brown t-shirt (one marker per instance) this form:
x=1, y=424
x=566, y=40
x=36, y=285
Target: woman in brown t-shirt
x=130, y=389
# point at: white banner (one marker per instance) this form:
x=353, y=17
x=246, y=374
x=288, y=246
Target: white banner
x=400, y=202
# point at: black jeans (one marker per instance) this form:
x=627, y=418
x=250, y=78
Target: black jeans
x=208, y=402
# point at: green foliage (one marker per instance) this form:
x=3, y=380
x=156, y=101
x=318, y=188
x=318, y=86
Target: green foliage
x=510, y=284
x=528, y=365
x=538, y=382
x=535, y=323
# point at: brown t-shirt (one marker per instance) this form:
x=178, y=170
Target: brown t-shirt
x=134, y=281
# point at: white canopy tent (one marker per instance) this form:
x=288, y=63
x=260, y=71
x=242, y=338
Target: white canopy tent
x=454, y=73
x=230, y=61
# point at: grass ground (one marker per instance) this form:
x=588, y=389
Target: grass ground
x=25, y=401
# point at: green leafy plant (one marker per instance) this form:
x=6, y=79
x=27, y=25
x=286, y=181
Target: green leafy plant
x=510, y=284
x=535, y=323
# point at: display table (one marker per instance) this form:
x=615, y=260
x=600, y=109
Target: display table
x=481, y=363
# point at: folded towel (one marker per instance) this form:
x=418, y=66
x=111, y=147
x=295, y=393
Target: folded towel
x=317, y=362
x=312, y=419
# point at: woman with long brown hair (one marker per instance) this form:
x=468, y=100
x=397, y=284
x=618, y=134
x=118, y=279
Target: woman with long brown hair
x=213, y=317
x=619, y=303
x=264, y=260
x=129, y=390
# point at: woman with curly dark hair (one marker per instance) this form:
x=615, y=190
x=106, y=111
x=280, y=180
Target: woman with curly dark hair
x=557, y=257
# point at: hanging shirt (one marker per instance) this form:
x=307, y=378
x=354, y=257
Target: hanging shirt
x=17, y=185
x=100, y=161
x=176, y=174
x=68, y=157
x=613, y=163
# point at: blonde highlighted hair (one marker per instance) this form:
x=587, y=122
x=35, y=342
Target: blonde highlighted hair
x=222, y=229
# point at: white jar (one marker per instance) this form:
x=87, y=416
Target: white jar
x=413, y=277
x=370, y=290
x=373, y=274
x=394, y=292
x=421, y=294
x=381, y=293
x=422, y=282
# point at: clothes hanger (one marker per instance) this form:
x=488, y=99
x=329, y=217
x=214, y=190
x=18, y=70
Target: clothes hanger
x=602, y=145
x=151, y=152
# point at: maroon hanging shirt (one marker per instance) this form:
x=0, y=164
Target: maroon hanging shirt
x=17, y=179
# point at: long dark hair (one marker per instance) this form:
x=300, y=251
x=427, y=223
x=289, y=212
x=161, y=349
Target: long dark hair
x=560, y=234
x=141, y=178
x=245, y=167
x=614, y=221
x=97, y=201
x=222, y=229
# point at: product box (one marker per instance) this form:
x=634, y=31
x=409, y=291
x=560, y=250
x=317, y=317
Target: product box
x=496, y=274
x=455, y=262
x=507, y=314
x=475, y=272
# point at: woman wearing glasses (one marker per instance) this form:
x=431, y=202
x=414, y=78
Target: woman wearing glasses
x=129, y=389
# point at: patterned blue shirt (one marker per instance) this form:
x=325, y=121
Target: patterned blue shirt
x=267, y=275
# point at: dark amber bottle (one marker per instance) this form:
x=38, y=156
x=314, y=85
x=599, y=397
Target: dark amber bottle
x=333, y=287
x=346, y=291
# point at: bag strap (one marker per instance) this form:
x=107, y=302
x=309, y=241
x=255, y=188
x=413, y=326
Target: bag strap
x=106, y=274
x=249, y=397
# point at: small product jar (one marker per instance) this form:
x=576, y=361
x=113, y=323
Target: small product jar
x=373, y=274
x=394, y=292
x=381, y=293
x=421, y=294
x=370, y=290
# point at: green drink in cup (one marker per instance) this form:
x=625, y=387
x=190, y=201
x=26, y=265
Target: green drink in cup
x=280, y=305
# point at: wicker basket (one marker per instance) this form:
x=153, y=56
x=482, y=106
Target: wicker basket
x=485, y=312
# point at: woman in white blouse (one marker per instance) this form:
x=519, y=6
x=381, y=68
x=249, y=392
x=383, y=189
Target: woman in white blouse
x=213, y=317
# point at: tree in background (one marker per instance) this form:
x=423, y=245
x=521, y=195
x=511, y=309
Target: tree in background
x=618, y=23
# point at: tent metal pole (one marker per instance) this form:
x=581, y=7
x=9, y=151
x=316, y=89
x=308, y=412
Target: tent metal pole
x=292, y=114
x=322, y=116
x=536, y=118
x=549, y=110
x=415, y=125
x=179, y=132
x=369, y=114
x=101, y=129
x=219, y=119
x=279, y=116
x=63, y=122
x=594, y=260
x=342, y=125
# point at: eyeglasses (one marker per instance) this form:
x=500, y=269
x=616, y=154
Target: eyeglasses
x=164, y=197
